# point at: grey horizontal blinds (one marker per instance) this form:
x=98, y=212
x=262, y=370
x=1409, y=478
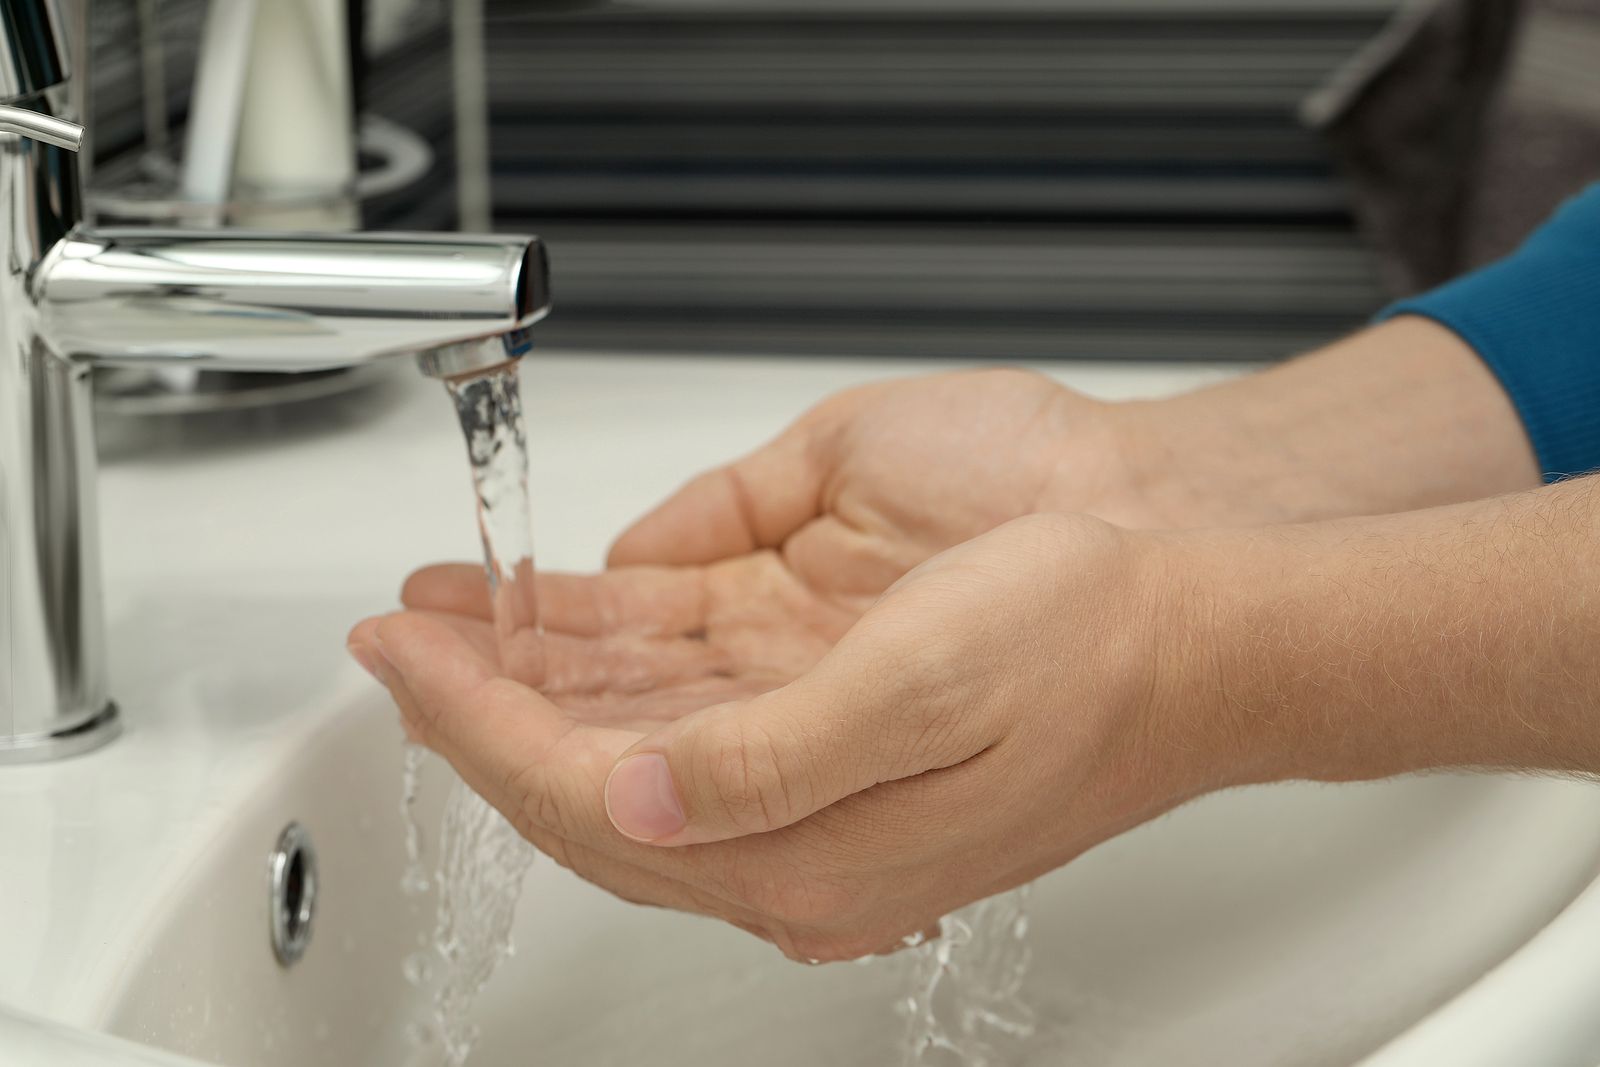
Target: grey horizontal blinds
x=1007, y=178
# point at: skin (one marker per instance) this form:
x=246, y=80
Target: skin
x=890, y=663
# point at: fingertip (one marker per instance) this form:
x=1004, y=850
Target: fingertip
x=627, y=550
x=460, y=588
x=641, y=800
x=412, y=640
x=364, y=632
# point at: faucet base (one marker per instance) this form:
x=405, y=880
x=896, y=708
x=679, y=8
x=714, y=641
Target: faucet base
x=85, y=737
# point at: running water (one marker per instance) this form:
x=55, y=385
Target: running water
x=414, y=879
x=490, y=409
x=482, y=859
x=482, y=863
x=965, y=1006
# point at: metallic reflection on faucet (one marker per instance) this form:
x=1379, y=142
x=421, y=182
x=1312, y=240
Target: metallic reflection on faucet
x=71, y=298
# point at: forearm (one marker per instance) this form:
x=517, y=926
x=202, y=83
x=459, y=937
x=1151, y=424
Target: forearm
x=1400, y=416
x=1455, y=637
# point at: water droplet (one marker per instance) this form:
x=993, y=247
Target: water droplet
x=418, y=1034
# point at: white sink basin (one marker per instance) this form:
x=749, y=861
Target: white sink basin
x=1295, y=924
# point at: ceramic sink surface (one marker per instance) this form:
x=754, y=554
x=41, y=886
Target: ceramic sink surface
x=1290, y=924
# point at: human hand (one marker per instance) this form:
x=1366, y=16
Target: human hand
x=874, y=480
x=1005, y=706
x=745, y=577
x=778, y=553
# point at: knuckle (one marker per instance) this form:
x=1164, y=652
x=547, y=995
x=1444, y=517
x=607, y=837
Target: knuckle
x=537, y=798
x=749, y=785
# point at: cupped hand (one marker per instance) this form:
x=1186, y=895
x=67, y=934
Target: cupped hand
x=876, y=479
x=992, y=715
x=639, y=646
x=740, y=581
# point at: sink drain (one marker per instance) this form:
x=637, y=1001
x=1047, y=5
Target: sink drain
x=294, y=893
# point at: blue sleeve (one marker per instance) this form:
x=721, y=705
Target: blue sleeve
x=1534, y=317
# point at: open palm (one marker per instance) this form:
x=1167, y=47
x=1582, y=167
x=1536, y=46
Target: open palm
x=743, y=579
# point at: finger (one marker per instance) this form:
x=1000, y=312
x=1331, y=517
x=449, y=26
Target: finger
x=515, y=746
x=638, y=600
x=362, y=646
x=458, y=588
x=753, y=503
x=614, y=668
x=829, y=554
x=874, y=710
x=617, y=875
x=543, y=770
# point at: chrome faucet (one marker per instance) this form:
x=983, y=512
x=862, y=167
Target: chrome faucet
x=73, y=297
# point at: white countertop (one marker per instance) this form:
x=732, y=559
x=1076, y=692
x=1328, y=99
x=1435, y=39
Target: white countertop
x=236, y=558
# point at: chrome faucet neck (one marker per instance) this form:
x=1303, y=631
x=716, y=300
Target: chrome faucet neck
x=71, y=298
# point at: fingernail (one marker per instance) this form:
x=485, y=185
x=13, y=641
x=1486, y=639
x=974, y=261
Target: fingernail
x=641, y=800
x=371, y=662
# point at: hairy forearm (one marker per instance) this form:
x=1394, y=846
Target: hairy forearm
x=1399, y=416
x=1460, y=636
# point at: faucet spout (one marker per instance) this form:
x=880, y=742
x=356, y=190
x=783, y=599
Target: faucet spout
x=271, y=302
x=72, y=297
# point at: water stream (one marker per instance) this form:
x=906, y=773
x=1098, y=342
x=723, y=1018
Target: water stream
x=414, y=878
x=482, y=860
x=962, y=1005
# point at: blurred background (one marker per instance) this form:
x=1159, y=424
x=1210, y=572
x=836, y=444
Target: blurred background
x=981, y=179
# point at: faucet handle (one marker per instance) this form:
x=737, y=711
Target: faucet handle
x=59, y=132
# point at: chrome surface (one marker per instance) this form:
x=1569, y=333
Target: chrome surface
x=31, y=59
x=268, y=302
x=85, y=737
x=40, y=127
x=472, y=358
x=292, y=889
x=52, y=649
x=123, y=393
x=72, y=298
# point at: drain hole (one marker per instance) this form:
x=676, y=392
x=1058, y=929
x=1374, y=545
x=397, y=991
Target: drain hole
x=294, y=893
x=294, y=896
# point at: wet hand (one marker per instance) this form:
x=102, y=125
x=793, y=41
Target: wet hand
x=991, y=716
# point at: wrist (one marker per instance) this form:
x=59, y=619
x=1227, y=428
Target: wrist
x=1196, y=460
x=1398, y=417
x=1184, y=733
x=1250, y=684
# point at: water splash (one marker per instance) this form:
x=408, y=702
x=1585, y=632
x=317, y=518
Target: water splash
x=414, y=878
x=965, y=1003
x=482, y=864
x=964, y=1006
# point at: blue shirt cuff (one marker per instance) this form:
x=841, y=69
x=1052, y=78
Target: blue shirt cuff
x=1534, y=318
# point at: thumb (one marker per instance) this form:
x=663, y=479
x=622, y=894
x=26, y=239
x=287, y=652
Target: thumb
x=752, y=766
x=753, y=503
